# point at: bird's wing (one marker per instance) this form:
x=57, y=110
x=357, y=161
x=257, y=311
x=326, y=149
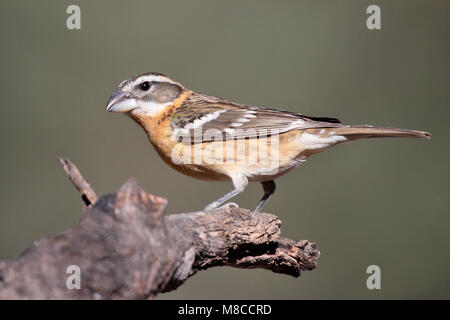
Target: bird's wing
x=203, y=118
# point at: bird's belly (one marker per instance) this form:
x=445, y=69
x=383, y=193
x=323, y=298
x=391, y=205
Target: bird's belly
x=260, y=159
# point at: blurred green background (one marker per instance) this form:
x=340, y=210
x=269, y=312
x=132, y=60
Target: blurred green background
x=382, y=202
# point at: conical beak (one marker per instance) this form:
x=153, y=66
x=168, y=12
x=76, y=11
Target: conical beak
x=121, y=102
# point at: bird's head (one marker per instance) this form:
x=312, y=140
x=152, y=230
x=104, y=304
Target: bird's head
x=146, y=94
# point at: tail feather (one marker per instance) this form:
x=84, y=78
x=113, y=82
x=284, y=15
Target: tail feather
x=366, y=131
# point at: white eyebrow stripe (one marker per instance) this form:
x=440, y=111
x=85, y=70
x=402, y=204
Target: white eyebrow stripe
x=236, y=124
x=156, y=78
x=129, y=83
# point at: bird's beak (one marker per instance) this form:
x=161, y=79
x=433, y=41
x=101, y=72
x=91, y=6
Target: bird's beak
x=121, y=102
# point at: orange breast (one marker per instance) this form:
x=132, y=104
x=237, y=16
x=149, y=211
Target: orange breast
x=171, y=151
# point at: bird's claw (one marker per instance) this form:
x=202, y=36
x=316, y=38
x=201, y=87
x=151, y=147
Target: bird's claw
x=227, y=206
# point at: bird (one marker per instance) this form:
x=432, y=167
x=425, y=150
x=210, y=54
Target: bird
x=210, y=138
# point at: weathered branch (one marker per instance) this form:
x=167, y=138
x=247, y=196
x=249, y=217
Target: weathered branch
x=126, y=248
x=87, y=193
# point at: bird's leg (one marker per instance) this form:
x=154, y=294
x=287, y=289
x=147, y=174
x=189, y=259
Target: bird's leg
x=269, y=189
x=240, y=182
x=223, y=199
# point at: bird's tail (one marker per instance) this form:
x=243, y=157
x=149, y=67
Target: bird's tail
x=366, y=131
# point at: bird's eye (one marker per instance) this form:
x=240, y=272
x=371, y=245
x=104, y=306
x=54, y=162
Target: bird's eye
x=144, y=86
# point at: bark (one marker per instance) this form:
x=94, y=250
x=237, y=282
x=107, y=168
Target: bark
x=126, y=248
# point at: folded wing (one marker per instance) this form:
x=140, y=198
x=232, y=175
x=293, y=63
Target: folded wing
x=203, y=118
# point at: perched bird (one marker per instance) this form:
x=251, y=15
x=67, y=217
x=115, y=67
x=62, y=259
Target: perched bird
x=210, y=138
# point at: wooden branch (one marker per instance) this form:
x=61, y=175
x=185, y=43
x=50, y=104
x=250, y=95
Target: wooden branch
x=88, y=194
x=126, y=248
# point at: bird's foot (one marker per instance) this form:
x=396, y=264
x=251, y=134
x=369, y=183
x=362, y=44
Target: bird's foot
x=229, y=205
x=215, y=205
x=211, y=206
